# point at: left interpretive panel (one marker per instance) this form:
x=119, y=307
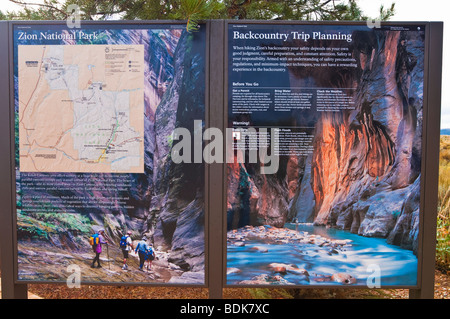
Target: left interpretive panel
x=95, y=112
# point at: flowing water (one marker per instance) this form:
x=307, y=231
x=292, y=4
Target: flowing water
x=363, y=259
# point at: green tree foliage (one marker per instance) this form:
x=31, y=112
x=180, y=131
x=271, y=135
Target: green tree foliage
x=443, y=220
x=195, y=10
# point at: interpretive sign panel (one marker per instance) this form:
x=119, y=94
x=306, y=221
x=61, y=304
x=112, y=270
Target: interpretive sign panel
x=95, y=112
x=244, y=154
x=342, y=108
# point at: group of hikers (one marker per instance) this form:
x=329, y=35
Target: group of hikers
x=144, y=250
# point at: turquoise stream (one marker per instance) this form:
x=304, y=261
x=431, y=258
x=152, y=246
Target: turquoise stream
x=363, y=259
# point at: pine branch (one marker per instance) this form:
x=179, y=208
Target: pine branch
x=195, y=10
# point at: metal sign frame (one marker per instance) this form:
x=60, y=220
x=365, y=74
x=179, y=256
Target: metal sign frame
x=215, y=174
x=9, y=270
x=430, y=150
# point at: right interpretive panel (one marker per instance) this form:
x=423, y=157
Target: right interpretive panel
x=324, y=184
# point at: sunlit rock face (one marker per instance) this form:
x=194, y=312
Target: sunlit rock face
x=368, y=160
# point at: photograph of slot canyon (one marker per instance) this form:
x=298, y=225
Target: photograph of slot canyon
x=344, y=208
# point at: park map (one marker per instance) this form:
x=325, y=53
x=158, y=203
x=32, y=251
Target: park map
x=81, y=108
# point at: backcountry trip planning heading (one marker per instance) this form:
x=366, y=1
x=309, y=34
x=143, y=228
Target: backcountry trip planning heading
x=295, y=35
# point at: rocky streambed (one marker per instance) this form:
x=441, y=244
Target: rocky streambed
x=313, y=255
x=53, y=264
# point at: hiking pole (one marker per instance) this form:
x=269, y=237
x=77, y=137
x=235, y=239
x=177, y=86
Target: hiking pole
x=107, y=253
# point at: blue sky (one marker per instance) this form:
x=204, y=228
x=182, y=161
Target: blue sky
x=406, y=10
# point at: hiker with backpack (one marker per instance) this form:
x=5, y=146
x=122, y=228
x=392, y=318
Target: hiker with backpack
x=96, y=241
x=126, y=244
x=141, y=249
x=149, y=256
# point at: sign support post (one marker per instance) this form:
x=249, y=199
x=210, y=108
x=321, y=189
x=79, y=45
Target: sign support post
x=431, y=156
x=10, y=290
x=216, y=170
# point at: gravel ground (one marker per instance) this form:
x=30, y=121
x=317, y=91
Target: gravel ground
x=52, y=291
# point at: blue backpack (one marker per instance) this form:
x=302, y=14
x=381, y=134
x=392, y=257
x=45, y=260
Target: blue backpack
x=123, y=242
x=94, y=240
x=149, y=254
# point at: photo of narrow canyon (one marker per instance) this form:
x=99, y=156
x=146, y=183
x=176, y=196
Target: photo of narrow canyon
x=343, y=209
x=162, y=204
